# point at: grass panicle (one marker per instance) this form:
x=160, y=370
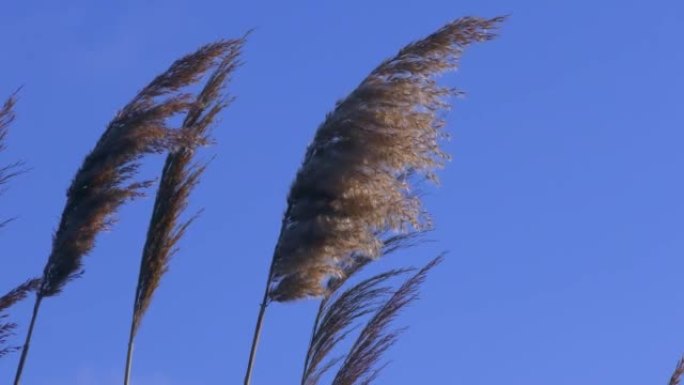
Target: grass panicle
x=7, y=116
x=11, y=170
x=104, y=181
x=8, y=172
x=179, y=176
x=678, y=372
x=336, y=314
x=360, y=365
x=102, y=184
x=12, y=297
x=355, y=184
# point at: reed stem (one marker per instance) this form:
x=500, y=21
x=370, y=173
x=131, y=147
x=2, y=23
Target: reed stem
x=257, y=327
x=27, y=343
x=129, y=354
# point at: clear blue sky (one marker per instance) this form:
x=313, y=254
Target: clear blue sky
x=562, y=210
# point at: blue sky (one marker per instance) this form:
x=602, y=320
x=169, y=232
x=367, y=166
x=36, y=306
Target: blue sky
x=562, y=209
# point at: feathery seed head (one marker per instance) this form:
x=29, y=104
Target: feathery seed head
x=355, y=185
x=102, y=184
x=179, y=177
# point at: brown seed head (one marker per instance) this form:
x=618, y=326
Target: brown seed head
x=103, y=183
x=355, y=185
x=179, y=176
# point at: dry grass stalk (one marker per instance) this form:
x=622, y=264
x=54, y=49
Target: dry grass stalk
x=360, y=364
x=678, y=372
x=179, y=176
x=7, y=328
x=355, y=184
x=103, y=183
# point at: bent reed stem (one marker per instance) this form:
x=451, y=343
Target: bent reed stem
x=27, y=343
x=257, y=327
x=129, y=354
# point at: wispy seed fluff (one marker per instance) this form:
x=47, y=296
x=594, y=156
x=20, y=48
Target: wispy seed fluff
x=355, y=184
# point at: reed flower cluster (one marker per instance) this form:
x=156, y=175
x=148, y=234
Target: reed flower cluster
x=356, y=183
x=106, y=179
x=356, y=188
x=178, y=178
x=13, y=169
x=354, y=199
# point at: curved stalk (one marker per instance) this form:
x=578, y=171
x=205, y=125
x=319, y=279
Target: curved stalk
x=129, y=355
x=257, y=329
x=27, y=343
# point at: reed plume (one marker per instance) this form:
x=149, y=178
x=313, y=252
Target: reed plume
x=355, y=185
x=11, y=170
x=678, y=372
x=103, y=183
x=335, y=315
x=12, y=297
x=6, y=118
x=361, y=363
x=339, y=311
x=179, y=177
x=356, y=178
x=8, y=172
